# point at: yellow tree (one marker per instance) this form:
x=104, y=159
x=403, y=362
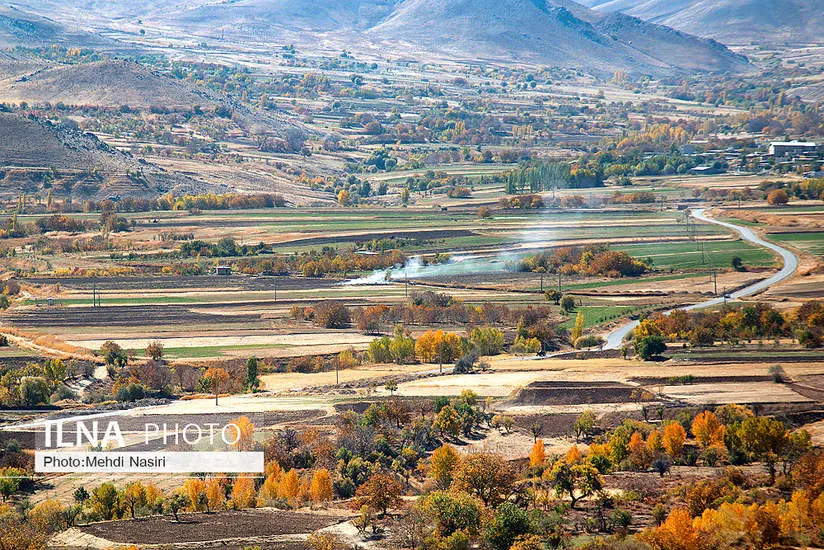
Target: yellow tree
x=289, y=486
x=708, y=430
x=573, y=455
x=578, y=329
x=245, y=434
x=215, y=494
x=673, y=440
x=444, y=461
x=537, y=456
x=269, y=490
x=243, y=493
x=195, y=489
x=321, y=488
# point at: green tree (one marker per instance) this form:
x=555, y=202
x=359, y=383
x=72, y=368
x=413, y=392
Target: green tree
x=252, y=380
x=105, y=501
x=574, y=480
x=447, y=421
x=584, y=424
x=568, y=303
x=452, y=511
x=650, y=346
x=34, y=390
x=487, y=340
x=509, y=522
x=10, y=480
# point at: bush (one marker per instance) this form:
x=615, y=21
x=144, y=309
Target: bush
x=132, y=392
x=331, y=314
x=589, y=341
x=63, y=392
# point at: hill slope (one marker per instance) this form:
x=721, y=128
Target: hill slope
x=19, y=27
x=34, y=152
x=558, y=32
x=730, y=21
x=107, y=83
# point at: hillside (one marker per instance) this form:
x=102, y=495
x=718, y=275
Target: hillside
x=253, y=16
x=35, y=153
x=109, y=83
x=558, y=32
x=19, y=27
x=729, y=21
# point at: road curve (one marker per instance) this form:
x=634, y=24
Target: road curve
x=615, y=338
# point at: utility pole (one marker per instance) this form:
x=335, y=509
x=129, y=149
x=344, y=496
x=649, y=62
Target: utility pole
x=715, y=284
x=276, y=289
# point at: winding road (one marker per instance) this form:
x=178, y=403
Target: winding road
x=615, y=338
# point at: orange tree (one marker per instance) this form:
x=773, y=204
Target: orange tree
x=215, y=376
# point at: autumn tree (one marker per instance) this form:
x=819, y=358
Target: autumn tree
x=777, y=197
x=447, y=422
x=708, y=430
x=321, y=487
x=443, y=463
x=215, y=493
x=215, y=376
x=245, y=432
x=438, y=347
x=155, y=351
x=134, y=497
x=486, y=475
x=380, y=492
x=673, y=439
x=243, y=493
x=537, y=456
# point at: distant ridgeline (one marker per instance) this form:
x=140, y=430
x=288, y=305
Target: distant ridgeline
x=538, y=176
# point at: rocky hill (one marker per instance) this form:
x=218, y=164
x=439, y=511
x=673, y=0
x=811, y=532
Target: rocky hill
x=730, y=21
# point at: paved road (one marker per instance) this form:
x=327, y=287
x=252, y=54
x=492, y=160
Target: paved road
x=616, y=337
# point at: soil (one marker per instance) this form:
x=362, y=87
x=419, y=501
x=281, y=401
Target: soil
x=576, y=393
x=211, y=527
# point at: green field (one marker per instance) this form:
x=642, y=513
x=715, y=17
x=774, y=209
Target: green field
x=688, y=255
x=812, y=243
x=596, y=315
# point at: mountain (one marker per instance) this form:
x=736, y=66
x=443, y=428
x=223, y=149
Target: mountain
x=252, y=17
x=729, y=21
x=549, y=32
x=20, y=27
x=556, y=32
x=34, y=153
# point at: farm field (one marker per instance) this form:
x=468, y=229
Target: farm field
x=488, y=275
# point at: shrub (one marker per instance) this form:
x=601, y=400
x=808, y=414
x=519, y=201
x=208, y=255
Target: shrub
x=331, y=314
x=589, y=341
x=130, y=393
